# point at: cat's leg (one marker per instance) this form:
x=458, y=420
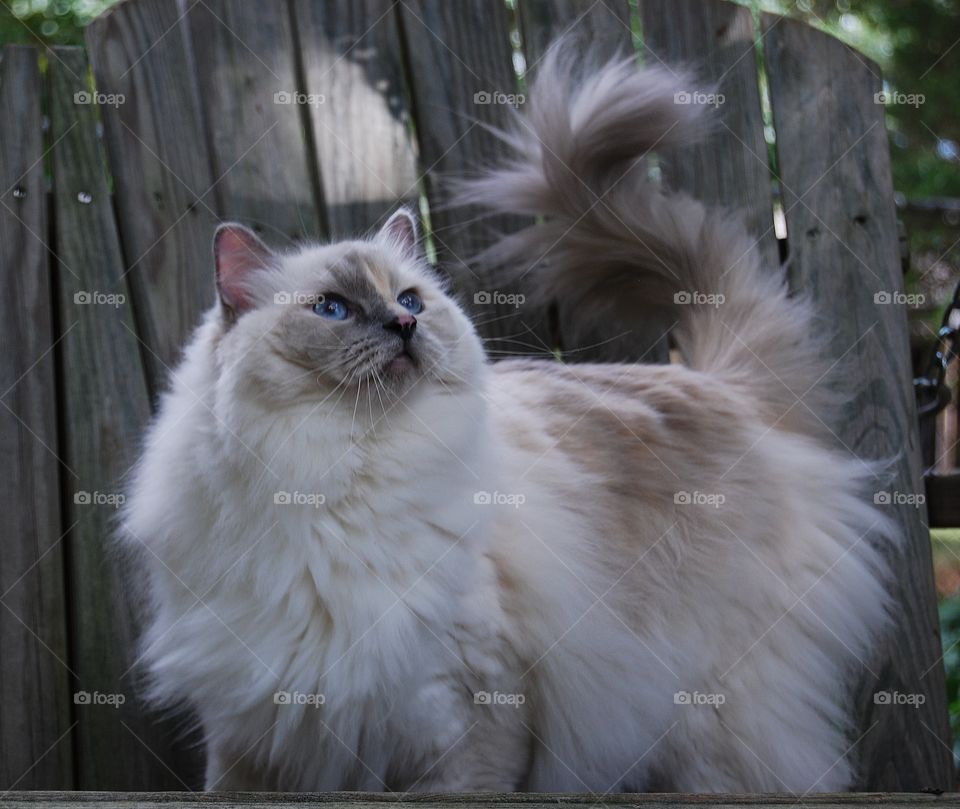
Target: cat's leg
x=466, y=742
x=755, y=742
x=479, y=765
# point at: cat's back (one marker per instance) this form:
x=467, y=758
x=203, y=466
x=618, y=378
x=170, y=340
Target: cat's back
x=633, y=415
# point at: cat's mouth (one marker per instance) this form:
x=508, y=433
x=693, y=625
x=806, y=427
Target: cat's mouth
x=403, y=361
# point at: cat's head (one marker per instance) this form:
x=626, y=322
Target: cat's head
x=369, y=316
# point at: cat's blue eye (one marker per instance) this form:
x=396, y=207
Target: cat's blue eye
x=332, y=308
x=410, y=301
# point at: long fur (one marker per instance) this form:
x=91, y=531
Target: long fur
x=661, y=576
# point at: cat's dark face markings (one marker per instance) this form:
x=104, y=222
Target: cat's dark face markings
x=359, y=341
x=368, y=315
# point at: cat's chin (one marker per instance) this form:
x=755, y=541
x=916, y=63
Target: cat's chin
x=401, y=366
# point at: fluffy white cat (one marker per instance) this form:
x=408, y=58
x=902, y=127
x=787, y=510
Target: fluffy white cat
x=378, y=561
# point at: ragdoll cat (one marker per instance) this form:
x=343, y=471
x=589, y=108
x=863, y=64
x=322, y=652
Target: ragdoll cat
x=378, y=561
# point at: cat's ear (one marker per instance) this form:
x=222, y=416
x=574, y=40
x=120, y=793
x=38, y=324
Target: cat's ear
x=401, y=231
x=238, y=252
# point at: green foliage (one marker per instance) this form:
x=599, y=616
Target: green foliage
x=950, y=631
x=48, y=22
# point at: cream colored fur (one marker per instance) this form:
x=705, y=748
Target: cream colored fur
x=588, y=598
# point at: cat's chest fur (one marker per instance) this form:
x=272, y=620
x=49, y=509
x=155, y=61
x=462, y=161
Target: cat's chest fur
x=372, y=569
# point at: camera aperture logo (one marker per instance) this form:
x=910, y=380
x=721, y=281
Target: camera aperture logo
x=695, y=298
x=497, y=97
x=495, y=498
x=100, y=99
x=698, y=698
x=899, y=499
x=495, y=297
x=498, y=698
x=912, y=299
x=112, y=499
x=97, y=698
x=699, y=97
x=296, y=97
x=298, y=298
x=314, y=499
x=896, y=698
x=714, y=499
x=298, y=698
x=898, y=99
x=95, y=298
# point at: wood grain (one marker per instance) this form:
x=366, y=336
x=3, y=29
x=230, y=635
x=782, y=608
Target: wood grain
x=459, y=56
x=843, y=251
x=251, y=800
x=362, y=127
x=715, y=39
x=105, y=408
x=35, y=705
x=247, y=83
x=603, y=26
x=161, y=171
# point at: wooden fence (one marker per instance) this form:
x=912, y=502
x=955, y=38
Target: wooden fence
x=312, y=118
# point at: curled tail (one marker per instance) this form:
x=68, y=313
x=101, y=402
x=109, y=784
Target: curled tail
x=612, y=245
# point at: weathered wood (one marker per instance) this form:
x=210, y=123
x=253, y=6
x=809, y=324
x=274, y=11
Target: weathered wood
x=842, y=240
x=245, y=68
x=254, y=800
x=105, y=408
x=161, y=171
x=716, y=39
x=364, y=144
x=34, y=673
x=605, y=28
x=460, y=71
x=602, y=26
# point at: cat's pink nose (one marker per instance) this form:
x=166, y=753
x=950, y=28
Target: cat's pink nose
x=404, y=325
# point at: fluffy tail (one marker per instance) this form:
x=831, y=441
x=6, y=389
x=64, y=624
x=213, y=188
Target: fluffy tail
x=612, y=245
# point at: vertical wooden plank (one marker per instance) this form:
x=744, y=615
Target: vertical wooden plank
x=842, y=239
x=353, y=70
x=605, y=28
x=245, y=69
x=106, y=405
x=161, y=171
x=461, y=68
x=716, y=39
x=35, y=708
